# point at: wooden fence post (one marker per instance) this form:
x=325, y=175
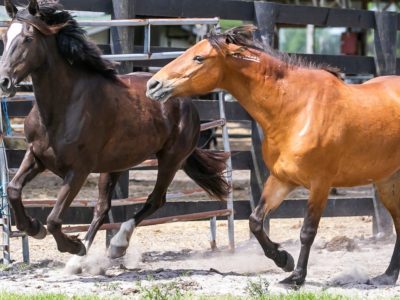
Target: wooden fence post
x=122, y=38
x=385, y=35
x=265, y=14
x=259, y=172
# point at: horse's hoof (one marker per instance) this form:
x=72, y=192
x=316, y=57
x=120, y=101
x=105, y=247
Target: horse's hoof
x=116, y=251
x=284, y=261
x=295, y=279
x=289, y=266
x=75, y=246
x=41, y=233
x=383, y=279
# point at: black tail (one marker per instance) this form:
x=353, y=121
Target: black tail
x=206, y=168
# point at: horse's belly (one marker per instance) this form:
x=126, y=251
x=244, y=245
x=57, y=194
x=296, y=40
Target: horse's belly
x=368, y=161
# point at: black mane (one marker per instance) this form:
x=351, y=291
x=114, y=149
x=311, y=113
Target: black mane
x=244, y=36
x=72, y=40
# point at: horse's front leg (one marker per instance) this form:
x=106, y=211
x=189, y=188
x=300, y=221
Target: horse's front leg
x=168, y=165
x=315, y=207
x=29, y=169
x=106, y=185
x=273, y=194
x=73, y=182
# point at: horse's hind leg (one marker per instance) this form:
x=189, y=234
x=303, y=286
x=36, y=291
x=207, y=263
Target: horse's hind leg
x=73, y=182
x=28, y=170
x=273, y=194
x=106, y=185
x=169, y=162
x=389, y=194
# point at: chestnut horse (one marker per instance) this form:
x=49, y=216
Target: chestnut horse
x=87, y=119
x=319, y=132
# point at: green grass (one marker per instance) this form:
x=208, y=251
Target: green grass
x=43, y=296
x=169, y=292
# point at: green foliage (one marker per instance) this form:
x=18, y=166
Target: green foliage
x=43, y=296
x=257, y=289
x=227, y=24
x=163, y=291
x=292, y=40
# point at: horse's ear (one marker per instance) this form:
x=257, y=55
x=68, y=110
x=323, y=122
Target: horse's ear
x=33, y=7
x=10, y=8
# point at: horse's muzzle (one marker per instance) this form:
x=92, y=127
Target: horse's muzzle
x=7, y=86
x=156, y=90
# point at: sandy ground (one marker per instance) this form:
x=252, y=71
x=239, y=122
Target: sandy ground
x=343, y=257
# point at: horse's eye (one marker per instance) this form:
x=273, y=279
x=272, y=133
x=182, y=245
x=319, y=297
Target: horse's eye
x=28, y=39
x=199, y=59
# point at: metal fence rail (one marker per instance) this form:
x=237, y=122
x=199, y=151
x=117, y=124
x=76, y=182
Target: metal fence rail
x=147, y=24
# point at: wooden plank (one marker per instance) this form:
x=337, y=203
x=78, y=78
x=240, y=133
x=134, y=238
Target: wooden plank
x=14, y=158
x=116, y=202
x=19, y=109
x=87, y=5
x=242, y=10
x=291, y=208
x=320, y=16
x=336, y=207
x=385, y=35
x=208, y=110
x=164, y=220
x=348, y=64
x=241, y=160
x=238, y=10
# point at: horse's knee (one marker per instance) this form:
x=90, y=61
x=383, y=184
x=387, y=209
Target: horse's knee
x=255, y=224
x=307, y=234
x=14, y=191
x=102, y=210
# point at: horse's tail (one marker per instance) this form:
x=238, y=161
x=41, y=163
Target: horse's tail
x=207, y=168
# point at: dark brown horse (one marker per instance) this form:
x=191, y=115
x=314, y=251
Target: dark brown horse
x=319, y=131
x=86, y=119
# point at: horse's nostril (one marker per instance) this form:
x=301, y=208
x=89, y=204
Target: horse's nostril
x=153, y=84
x=5, y=82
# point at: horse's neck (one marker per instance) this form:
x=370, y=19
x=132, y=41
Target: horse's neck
x=53, y=86
x=260, y=91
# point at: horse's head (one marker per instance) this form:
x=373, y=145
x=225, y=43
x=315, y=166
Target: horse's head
x=25, y=47
x=201, y=68
x=20, y=48
x=196, y=71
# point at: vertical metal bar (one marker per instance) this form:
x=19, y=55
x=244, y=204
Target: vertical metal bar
x=227, y=148
x=25, y=249
x=147, y=39
x=4, y=207
x=213, y=232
